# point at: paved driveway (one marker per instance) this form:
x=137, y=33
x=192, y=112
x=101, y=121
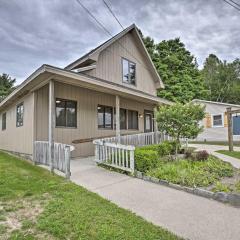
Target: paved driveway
x=185, y=214
x=213, y=148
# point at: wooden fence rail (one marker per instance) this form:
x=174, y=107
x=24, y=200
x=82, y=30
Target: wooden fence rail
x=61, y=156
x=115, y=155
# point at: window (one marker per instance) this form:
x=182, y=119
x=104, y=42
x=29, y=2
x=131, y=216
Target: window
x=4, y=118
x=105, y=117
x=217, y=120
x=66, y=113
x=20, y=110
x=128, y=71
x=123, y=118
x=132, y=119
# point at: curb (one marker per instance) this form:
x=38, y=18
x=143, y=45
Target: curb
x=231, y=198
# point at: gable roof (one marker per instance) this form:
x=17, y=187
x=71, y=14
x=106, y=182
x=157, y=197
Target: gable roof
x=219, y=103
x=94, y=52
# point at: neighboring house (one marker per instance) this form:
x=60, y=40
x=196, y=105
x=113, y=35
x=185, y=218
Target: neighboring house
x=215, y=122
x=112, y=88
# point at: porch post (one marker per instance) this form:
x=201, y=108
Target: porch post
x=118, y=118
x=51, y=123
x=155, y=125
x=230, y=130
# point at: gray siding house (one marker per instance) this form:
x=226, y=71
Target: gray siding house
x=215, y=122
x=109, y=91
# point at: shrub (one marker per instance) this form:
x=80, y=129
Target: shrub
x=202, y=155
x=145, y=159
x=220, y=187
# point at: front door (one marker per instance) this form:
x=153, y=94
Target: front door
x=148, y=121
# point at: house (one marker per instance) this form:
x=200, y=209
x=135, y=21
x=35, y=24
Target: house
x=215, y=122
x=111, y=90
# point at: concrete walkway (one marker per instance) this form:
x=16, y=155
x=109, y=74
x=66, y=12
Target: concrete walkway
x=186, y=215
x=213, y=148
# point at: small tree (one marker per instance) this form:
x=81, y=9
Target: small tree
x=180, y=121
x=6, y=85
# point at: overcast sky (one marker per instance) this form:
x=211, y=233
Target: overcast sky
x=56, y=32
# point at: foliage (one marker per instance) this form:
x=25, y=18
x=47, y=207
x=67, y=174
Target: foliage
x=202, y=155
x=221, y=187
x=222, y=79
x=71, y=212
x=145, y=159
x=192, y=173
x=178, y=69
x=180, y=121
x=6, y=85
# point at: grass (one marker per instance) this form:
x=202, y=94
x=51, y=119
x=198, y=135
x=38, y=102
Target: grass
x=39, y=205
x=191, y=173
x=234, y=154
x=221, y=143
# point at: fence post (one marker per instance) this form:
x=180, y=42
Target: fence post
x=67, y=161
x=132, y=160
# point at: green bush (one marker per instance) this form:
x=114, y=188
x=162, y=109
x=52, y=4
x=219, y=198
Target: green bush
x=145, y=159
x=163, y=149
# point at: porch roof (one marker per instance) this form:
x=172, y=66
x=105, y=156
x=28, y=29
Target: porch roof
x=46, y=72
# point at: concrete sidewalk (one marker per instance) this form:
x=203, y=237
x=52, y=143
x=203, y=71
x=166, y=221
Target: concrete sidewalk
x=212, y=150
x=186, y=215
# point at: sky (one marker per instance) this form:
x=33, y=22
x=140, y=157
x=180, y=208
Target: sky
x=57, y=32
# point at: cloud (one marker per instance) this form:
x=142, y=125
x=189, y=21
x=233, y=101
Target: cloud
x=58, y=32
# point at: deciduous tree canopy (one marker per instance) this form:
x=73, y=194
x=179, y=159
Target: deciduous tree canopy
x=6, y=85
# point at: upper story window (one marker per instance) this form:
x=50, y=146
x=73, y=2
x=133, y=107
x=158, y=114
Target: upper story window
x=128, y=71
x=66, y=113
x=217, y=120
x=4, y=119
x=20, y=111
x=105, y=117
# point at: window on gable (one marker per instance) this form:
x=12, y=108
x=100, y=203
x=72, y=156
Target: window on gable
x=217, y=120
x=19, y=117
x=105, y=117
x=4, y=119
x=132, y=119
x=66, y=113
x=128, y=71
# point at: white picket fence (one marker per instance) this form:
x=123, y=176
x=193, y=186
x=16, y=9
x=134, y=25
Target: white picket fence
x=61, y=156
x=109, y=151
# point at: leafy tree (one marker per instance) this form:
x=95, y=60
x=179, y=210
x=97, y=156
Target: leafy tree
x=6, y=85
x=178, y=69
x=180, y=121
x=222, y=79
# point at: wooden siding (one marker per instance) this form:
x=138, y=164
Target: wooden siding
x=18, y=139
x=109, y=64
x=87, y=126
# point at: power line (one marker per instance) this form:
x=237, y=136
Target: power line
x=105, y=29
x=232, y=4
x=235, y=3
x=99, y=23
x=111, y=11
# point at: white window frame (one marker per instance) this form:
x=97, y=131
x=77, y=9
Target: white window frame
x=217, y=114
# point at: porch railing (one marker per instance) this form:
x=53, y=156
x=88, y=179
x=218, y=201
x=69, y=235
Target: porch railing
x=140, y=139
x=61, y=156
x=120, y=154
x=115, y=155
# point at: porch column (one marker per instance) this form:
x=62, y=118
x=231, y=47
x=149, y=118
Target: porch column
x=51, y=123
x=155, y=129
x=118, y=119
x=230, y=128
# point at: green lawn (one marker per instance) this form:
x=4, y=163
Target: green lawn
x=35, y=204
x=231, y=154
